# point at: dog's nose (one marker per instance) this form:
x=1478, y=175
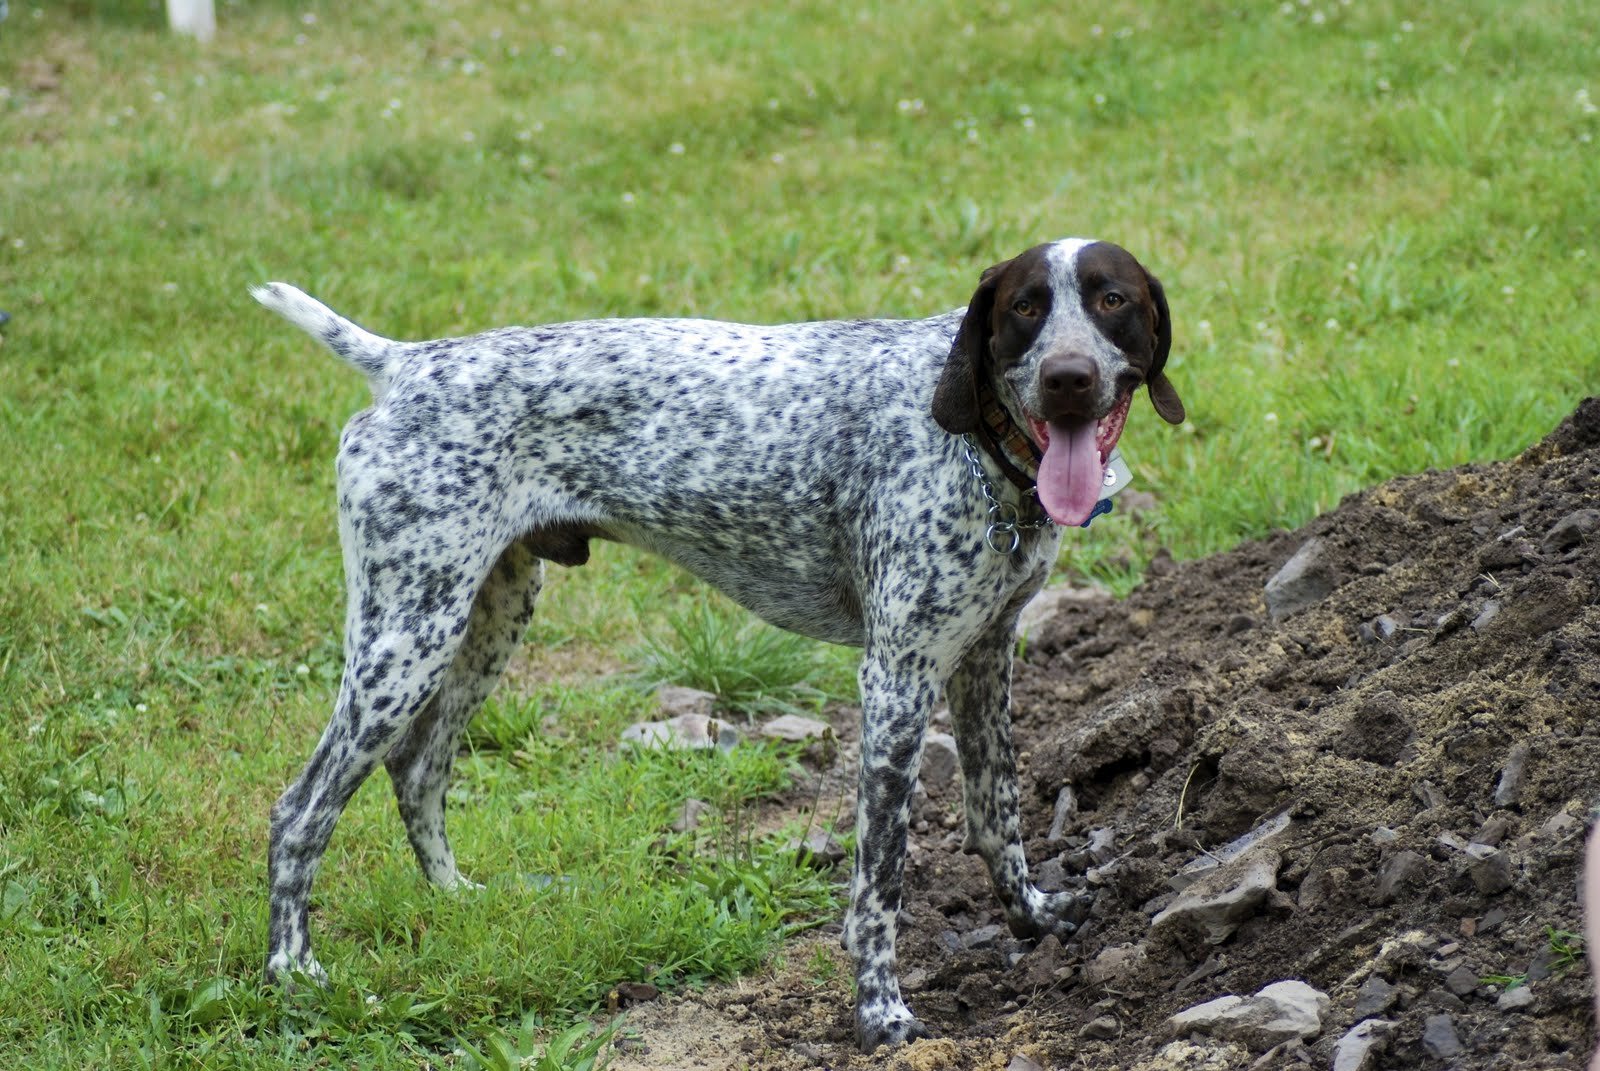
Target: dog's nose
x=1068, y=381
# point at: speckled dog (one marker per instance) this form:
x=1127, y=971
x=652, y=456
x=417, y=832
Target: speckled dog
x=895, y=485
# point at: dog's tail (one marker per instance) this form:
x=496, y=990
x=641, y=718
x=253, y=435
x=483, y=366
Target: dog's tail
x=373, y=354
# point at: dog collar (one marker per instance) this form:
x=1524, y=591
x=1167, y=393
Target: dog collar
x=1008, y=445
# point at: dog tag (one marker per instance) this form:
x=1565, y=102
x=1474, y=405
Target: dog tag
x=1117, y=474
x=1117, y=477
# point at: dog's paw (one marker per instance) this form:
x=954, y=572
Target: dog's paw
x=288, y=972
x=1060, y=913
x=892, y=1029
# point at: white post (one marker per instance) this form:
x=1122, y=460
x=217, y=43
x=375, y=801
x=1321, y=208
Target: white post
x=197, y=18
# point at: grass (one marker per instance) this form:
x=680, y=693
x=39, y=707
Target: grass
x=1377, y=223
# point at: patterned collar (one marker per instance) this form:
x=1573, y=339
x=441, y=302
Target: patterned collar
x=1007, y=444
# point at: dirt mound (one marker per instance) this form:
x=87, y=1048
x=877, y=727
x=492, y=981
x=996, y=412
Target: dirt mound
x=1420, y=741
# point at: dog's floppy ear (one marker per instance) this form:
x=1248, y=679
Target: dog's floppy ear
x=955, y=399
x=1163, y=395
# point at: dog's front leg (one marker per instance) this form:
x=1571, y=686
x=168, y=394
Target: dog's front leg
x=897, y=695
x=979, y=694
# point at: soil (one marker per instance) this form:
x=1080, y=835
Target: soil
x=1425, y=728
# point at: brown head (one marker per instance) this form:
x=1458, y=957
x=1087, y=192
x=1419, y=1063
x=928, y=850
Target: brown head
x=1062, y=334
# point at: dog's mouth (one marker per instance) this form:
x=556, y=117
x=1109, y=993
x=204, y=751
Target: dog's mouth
x=1072, y=473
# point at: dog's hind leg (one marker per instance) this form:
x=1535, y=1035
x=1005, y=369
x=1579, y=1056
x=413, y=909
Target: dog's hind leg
x=419, y=765
x=405, y=617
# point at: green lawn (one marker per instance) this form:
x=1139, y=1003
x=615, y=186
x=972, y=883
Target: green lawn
x=1377, y=223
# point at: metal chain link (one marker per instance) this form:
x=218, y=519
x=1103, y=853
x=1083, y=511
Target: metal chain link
x=1004, y=534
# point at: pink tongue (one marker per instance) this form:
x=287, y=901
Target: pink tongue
x=1071, y=475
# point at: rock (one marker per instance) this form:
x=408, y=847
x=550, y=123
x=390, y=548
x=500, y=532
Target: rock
x=1509, y=789
x=1021, y=1062
x=1101, y=1028
x=1461, y=981
x=940, y=771
x=1493, y=831
x=1209, y=862
x=1100, y=850
x=1050, y=875
x=1428, y=794
x=1218, y=903
x=1113, y=963
x=1280, y=1012
x=1490, y=611
x=1439, y=1037
x=1375, y=997
x=1491, y=869
x=1038, y=969
x=1401, y=869
x=1359, y=1048
x=1572, y=529
x=1515, y=998
x=983, y=937
x=1115, y=733
x=685, y=732
x=629, y=993
x=817, y=849
x=794, y=729
x=1066, y=808
x=690, y=815
x=1305, y=580
x=674, y=700
x=1049, y=602
x=1560, y=825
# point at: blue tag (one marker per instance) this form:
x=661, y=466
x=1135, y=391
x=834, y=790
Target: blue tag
x=1101, y=508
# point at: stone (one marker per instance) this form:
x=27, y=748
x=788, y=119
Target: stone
x=1210, y=861
x=1490, y=611
x=629, y=993
x=1101, y=1028
x=1439, y=1037
x=1493, y=831
x=1281, y=1012
x=690, y=815
x=1375, y=997
x=1023, y=1062
x=794, y=729
x=1214, y=906
x=1066, y=808
x=1113, y=963
x=1050, y=601
x=1515, y=998
x=983, y=937
x=1560, y=825
x=940, y=772
x=1509, y=789
x=1361, y=1045
x=686, y=732
x=674, y=700
x=1037, y=969
x=1572, y=529
x=1401, y=869
x=1461, y=981
x=817, y=849
x=1491, y=869
x=1305, y=580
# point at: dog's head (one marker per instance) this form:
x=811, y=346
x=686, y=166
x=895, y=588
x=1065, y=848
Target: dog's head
x=1062, y=335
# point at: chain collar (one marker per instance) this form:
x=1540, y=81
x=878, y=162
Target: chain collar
x=1004, y=533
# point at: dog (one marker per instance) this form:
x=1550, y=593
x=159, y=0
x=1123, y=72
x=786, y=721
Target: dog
x=896, y=485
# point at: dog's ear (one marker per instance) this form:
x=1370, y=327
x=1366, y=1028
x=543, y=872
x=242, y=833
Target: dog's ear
x=955, y=399
x=1163, y=395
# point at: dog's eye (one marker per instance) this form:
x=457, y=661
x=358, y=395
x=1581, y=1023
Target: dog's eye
x=1023, y=307
x=1113, y=300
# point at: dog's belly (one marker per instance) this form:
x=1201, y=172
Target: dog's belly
x=801, y=594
